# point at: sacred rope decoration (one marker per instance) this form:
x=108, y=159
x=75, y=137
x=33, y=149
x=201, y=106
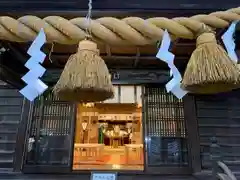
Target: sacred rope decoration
x=113, y=31
x=209, y=70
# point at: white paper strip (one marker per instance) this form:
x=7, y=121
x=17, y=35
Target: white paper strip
x=163, y=53
x=35, y=86
x=229, y=43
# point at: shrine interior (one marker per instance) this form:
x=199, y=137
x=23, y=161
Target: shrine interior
x=108, y=135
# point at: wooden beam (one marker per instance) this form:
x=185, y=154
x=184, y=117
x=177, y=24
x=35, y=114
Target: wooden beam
x=117, y=8
x=105, y=13
x=10, y=60
x=130, y=61
x=11, y=78
x=125, y=76
x=182, y=47
x=16, y=52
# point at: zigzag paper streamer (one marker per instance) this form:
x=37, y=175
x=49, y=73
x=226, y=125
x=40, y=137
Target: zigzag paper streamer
x=229, y=43
x=163, y=54
x=35, y=87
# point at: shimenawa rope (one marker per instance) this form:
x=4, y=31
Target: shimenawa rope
x=113, y=31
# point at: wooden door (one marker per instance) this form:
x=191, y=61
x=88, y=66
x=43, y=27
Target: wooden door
x=165, y=132
x=49, y=142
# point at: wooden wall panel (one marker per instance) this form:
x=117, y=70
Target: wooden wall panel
x=10, y=115
x=219, y=116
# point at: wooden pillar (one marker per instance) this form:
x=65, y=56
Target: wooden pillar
x=21, y=140
x=78, y=128
x=192, y=133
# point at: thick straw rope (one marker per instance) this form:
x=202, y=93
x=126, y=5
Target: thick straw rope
x=109, y=30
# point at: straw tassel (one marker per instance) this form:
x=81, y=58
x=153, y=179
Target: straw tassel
x=210, y=70
x=85, y=77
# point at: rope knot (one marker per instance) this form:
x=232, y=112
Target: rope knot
x=89, y=46
x=206, y=38
x=205, y=35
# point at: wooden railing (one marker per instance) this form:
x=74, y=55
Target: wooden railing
x=220, y=171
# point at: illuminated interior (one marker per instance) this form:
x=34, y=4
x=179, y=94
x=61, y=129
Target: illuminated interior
x=108, y=135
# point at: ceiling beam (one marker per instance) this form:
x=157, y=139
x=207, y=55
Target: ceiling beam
x=16, y=52
x=12, y=78
x=125, y=58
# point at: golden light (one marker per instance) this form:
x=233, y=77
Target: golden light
x=88, y=105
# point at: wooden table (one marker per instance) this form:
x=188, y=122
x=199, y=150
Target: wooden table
x=91, y=152
x=134, y=153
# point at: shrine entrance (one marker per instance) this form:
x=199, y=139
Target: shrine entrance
x=142, y=129
x=108, y=135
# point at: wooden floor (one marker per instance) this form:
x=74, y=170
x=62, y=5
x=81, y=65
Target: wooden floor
x=112, y=158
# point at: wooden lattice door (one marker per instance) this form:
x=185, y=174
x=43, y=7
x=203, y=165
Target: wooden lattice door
x=49, y=142
x=165, y=132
